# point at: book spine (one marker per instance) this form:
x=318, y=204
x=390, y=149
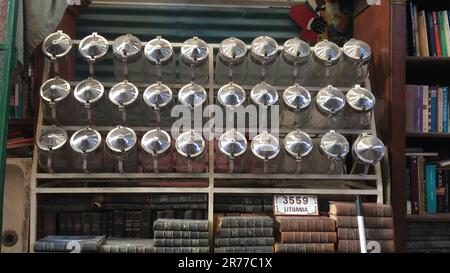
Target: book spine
x=181, y=250
x=445, y=109
x=423, y=38
x=439, y=110
x=446, y=31
x=181, y=242
x=416, y=29
x=244, y=249
x=298, y=248
x=430, y=171
x=245, y=241
x=441, y=25
x=369, y=222
x=352, y=246
x=433, y=111
x=246, y=222
x=305, y=225
x=246, y=232
x=447, y=196
x=421, y=182
x=432, y=38
x=308, y=237
x=426, y=126
x=410, y=30
x=371, y=234
x=369, y=209
x=436, y=34
x=414, y=185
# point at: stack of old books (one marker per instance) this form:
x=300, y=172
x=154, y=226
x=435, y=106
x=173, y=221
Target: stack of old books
x=305, y=234
x=60, y=243
x=378, y=224
x=244, y=234
x=181, y=236
x=127, y=245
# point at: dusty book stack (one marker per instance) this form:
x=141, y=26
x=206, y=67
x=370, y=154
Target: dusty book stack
x=244, y=234
x=378, y=224
x=127, y=245
x=181, y=236
x=59, y=243
x=305, y=234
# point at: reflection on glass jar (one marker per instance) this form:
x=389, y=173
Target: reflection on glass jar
x=191, y=153
x=161, y=65
x=353, y=67
x=264, y=96
x=231, y=158
x=262, y=65
x=121, y=150
x=231, y=61
x=194, y=61
x=51, y=144
x=157, y=156
x=359, y=113
x=265, y=148
x=367, y=151
x=298, y=148
x=295, y=111
x=229, y=97
x=291, y=68
x=328, y=108
x=322, y=68
x=57, y=104
x=330, y=157
x=157, y=98
x=124, y=98
x=92, y=108
x=128, y=60
x=87, y=155
x=93, y=47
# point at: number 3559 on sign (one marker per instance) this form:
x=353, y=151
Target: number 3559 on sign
x=295, y=205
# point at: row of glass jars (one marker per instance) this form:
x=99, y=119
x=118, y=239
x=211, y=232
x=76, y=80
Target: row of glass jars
x=325, y=63
x=155, y=153
x=88, y=106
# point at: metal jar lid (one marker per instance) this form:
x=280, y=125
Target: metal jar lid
x=93, y=46
x=326, y=52
x=54, y=90
x=360, y=99
x=232, y=143
x=330, y=100
x=51, y=139
x=123, y=93
x=89, y=91
x=334, y=145
x=231, y=95
x=264, y=49
x=121, y=139
x=265, y=146
x=156, y=142
x=85, y=140
x=369, y=149
x=296, y=50
x=298, y=144
x=232, y=50
x=127, y=47
x=194, y=50
x=157, y=95
x=264, y=94
x=158, y=50
x=192, y=95
x=296, y=97
x=357, y=51
x=190, y=144
x=57, y=44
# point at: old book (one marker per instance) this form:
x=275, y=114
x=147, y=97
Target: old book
x=118, y=223
x=248, y=221
x=238, y=208
x=146, y=224
x=178, y=224
x=95, y=223
x=296, y=248
x=428, y=245
x=57, y=243
x=49, y=223
x=85, y=223
x=181, y=242
x=369, y=209
x=76, y=223
x=307, y=237
x=244, y=241
x=310, y=224
x=181, y=249
x=127, y=245
x=350, y=246
x=244, y=249
x=168, y=234
x=369, y=222
x=371, y=234
x=245, y=232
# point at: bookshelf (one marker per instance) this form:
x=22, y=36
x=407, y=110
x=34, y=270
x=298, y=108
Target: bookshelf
x=439, y=217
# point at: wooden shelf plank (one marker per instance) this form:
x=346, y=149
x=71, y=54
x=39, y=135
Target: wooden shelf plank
x=428, y=135
x=435, y=217
x=21, y=121
x=427, y=70
x=432, y=5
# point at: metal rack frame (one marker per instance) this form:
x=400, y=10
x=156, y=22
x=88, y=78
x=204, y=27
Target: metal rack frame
x=345, y=184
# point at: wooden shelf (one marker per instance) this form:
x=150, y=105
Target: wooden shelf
x=428, y=135
x=435, y=217
x=427, y=70
x=21, y=121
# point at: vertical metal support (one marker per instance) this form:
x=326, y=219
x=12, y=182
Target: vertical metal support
x=211, y=152
x=361, y=228
x=4, y=97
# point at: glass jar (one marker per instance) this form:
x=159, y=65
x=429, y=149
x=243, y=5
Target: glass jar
x=157, y=156
x=359, y=114
x=157, y=98
x=128, y=60
x=330, y=158
x=367, y=151
x=57, y=105
x=232, y=146
x=295, y=111
x=298, y=148
x=265, y=148
x=193, y=96
x=121, y=150
x=124, y=96
x=86, y=144
x=353, y=67
x=230, y=96
x=262, y=65
x=51, y=143
x=161, y=61
x=264, y=96
x=92, y=108
x=191, y=149
x=93, y=47
x=231, y=61
x=328, y=108
x=322, y=69
x=194, y=61
x=292, y=63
